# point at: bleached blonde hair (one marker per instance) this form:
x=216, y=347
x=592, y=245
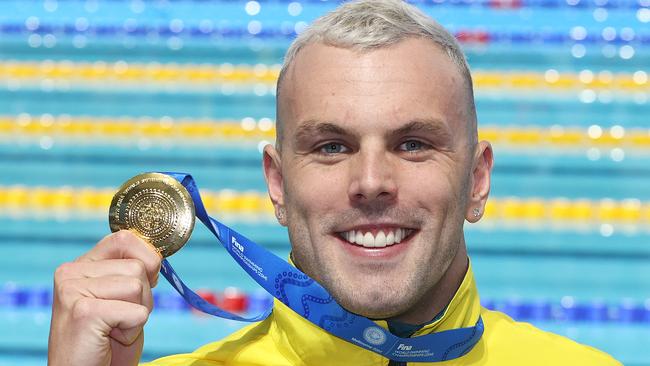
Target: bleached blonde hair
x=365, y=25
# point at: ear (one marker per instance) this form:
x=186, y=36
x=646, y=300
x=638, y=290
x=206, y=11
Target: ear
x=273, y=176
x=480, y=181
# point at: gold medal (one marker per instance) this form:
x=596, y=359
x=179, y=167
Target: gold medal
x=157, y=208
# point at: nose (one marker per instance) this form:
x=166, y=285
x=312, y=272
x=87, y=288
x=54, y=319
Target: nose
x=372, y=178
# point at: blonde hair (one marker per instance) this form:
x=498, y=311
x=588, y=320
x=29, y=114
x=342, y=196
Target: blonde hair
x=365, y=25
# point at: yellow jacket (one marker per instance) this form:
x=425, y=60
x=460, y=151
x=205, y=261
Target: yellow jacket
x=285, y=338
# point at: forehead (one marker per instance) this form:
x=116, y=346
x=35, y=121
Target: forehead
x=413, y=79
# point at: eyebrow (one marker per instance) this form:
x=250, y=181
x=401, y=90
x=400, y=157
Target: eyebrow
x=434, y=127
x=428, y=126
x=313, y=127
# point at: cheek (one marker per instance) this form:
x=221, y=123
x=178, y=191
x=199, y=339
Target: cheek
x=314, y=190
x=430, y=184
x=438, y=193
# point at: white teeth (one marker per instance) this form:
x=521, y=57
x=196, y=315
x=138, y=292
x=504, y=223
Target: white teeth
x=381, y=240
x=390, y=238
x=368, y=240
x=359, y=238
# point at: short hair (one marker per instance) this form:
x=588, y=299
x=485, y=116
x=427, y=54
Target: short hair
x=366, y=25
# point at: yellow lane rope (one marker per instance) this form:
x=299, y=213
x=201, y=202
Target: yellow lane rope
x=123, y=73
x=191, y=131
x=92, y=129
x=567, y=137
x=67, y=200
x=138, y=72
x=92, y=202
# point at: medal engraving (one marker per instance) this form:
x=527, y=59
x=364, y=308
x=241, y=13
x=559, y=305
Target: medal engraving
x=157, y=208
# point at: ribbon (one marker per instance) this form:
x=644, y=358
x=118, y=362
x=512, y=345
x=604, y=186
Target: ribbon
x=311, y=301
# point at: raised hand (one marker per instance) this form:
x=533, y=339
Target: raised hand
x=102, y=301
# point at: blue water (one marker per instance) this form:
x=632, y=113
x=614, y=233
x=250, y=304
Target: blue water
x=511, y=263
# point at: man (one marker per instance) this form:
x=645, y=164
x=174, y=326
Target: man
x=375, y=169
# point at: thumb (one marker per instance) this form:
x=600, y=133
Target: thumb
x=126, y=337
x=127, y=355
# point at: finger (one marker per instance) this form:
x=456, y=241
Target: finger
x=127, y=355
x=109, y=267
x=67, y=291
x=126, y=337
x=123, y=288
x=107, y=315
x=124, y=245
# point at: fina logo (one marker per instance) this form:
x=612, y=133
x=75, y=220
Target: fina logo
x=374, y=336
x=236, y=244
x=403, y=347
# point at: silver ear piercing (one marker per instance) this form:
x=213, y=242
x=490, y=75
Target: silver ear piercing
x=476, y=212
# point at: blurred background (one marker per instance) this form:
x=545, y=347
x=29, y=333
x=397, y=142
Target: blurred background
x=95, y=91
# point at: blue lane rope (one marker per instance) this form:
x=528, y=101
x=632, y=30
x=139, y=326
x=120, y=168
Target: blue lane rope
x=472, y=35
x=14, y=297
x=552, y=4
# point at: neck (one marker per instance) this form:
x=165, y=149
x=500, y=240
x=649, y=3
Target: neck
x=440, y=295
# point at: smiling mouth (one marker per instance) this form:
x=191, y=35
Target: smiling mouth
x=376, y=238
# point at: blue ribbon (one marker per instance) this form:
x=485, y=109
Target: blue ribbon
x=309, y=299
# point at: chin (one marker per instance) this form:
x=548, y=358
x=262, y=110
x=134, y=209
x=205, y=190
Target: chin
x=374, y=310
x=373, y=303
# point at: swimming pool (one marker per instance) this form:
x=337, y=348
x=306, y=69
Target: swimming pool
x=93, y=92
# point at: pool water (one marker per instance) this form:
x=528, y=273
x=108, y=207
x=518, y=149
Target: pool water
x=94, y=92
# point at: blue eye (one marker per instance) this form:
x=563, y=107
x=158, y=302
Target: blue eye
x=333, y=148
x=411, y=145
